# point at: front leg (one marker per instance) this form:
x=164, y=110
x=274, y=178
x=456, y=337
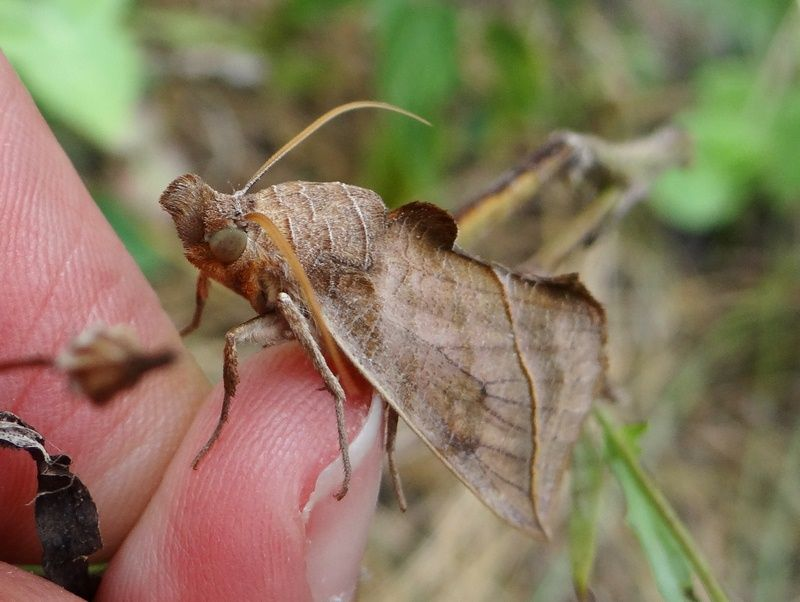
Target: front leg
x=200, y=296
x=267, y=330
x=299, y=326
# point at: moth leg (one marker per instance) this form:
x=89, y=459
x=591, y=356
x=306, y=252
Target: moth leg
x=200, y=296
x=391, y=434
x=299, y=326
x=268, y=329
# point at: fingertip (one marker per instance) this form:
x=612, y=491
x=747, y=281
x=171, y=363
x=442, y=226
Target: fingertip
x=17, y=585
x=65, y=269
x=336, y=530
x=235, y=528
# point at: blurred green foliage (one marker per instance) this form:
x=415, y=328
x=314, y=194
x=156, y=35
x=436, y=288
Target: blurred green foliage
x=83, y=64
x=670, y=566
x=80, y=61
x=588, y=469
x=745, y=119
x=182, y=28
x=746, y=149
x=416, y=68
x=519, y=72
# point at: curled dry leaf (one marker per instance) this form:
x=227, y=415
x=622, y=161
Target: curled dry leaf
x=565, y=195
x=104, y=360
x=66, y=516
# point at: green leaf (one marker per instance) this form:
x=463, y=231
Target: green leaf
x=782, y=167
x=587, y=482
x=669, y=565
x=79, y=61
x=698, y=199
x=417, y=70
x=516, y=72
x=730, y=152
x=417, y=62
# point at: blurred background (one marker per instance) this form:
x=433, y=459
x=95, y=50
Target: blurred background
x=700, y=282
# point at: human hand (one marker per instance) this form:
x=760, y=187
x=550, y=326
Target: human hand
x=235, y=528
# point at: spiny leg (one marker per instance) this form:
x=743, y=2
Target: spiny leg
x=200, y=296
x=267, y=330
x=298, y=324
x=391, y=435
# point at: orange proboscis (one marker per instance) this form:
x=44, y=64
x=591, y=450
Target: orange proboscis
x=285, y=248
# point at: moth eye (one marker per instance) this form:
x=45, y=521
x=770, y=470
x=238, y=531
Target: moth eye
x=228, y=244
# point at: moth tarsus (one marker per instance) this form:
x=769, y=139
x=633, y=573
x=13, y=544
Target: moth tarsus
x=392, y=418
x=300, y=327
x=266, y=330
x=223, y=418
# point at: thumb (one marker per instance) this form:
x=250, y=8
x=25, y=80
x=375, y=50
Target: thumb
x=257, y=520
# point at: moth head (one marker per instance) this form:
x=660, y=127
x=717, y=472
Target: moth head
x=186, y=199
x=202, y=220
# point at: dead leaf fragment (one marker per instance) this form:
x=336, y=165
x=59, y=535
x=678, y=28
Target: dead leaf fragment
x=66, y=516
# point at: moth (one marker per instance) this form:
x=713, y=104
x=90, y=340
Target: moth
x=495, y=371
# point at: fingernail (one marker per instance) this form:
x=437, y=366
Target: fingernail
x=336, y=531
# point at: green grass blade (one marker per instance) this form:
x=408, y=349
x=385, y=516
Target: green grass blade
x=668, y=545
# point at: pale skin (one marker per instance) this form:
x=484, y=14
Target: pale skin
x=64, y=268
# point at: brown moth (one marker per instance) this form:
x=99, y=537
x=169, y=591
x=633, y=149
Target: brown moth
x=493, y=370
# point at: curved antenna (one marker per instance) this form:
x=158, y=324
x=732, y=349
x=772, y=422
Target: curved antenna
x=314, y=126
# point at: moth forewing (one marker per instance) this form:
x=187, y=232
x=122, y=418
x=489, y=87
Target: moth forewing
x=559, y=331
x=447, y=341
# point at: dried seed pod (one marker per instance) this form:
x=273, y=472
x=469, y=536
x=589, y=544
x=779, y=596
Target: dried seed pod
x=104, y=360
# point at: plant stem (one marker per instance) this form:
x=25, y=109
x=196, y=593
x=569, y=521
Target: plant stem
x=665, y=511
x=26, y=362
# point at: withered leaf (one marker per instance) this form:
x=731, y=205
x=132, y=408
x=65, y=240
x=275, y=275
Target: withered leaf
x=564, y=195
x=66, y=516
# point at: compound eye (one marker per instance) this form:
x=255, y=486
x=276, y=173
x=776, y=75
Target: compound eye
x=228, y=244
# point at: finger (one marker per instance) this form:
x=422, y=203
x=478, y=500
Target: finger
x=21, y=586
x=235, y=528
x=64, y=269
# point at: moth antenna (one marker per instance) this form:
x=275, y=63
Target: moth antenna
x=285, y=248
x=315, y=125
